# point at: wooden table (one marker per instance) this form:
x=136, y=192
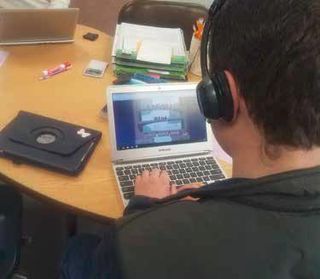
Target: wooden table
x=71, y=97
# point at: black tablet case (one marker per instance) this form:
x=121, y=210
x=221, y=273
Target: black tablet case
x=22, y=140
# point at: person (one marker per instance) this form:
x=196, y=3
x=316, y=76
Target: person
x=263, y=222
x=14, y=4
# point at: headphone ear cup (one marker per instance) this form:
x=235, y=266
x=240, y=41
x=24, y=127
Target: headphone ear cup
x=207, y=99
x=214, y=97
x=224, y=97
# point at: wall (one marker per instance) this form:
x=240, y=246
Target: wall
x=205, y=3
x=103, y=14
x=100, y=14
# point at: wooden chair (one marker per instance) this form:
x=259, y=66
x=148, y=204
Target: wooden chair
x=163, y=14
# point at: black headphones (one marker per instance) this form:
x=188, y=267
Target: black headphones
x=213, y=92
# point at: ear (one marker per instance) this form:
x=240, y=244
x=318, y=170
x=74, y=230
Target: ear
x=234, y=93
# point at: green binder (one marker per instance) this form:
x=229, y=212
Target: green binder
x=118, y=70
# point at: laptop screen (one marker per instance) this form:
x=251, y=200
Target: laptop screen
x=149, y=119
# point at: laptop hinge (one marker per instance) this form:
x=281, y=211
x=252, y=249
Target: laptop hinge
x=163, y=158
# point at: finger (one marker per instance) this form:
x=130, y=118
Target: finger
x=155, y=173
x=164, y=176
x=173, y=189
x=145, y=174
x=138, y=179
x=190, y=186
x=164, y=172
x=188, y=198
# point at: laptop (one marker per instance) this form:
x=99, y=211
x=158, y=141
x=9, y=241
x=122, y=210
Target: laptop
x=159, y=126
x=34, y=26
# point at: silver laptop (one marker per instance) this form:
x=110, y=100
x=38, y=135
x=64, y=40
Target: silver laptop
x=34, y=26
x=159, y=126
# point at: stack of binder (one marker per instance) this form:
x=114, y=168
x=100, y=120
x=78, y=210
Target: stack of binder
x=150, y=50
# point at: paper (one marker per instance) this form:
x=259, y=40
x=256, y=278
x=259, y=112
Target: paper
x=128, y=36
x=3, y=56
x=129, y=45
x=154, y=52
x=116, y=41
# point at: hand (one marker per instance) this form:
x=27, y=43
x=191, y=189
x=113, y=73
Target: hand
x=187, y=187
x=156, y=184
x=153, y=184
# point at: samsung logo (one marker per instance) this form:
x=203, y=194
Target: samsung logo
x=164, y=149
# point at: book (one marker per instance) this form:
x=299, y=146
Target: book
x=148, y=49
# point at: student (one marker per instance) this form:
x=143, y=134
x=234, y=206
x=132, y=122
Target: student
x=14, y=4
x=264, y=222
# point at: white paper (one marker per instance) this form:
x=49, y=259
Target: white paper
x=116, y=41
x=148, y=49
x=3, y=56
x=129, y=45
x=130, y=35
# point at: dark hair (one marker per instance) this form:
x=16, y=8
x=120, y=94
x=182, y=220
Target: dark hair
x=272, y=47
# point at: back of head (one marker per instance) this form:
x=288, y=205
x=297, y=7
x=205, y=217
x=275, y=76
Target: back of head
x=273, y=50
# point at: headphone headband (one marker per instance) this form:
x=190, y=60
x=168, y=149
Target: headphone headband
x=213, y=93
x=213, y=10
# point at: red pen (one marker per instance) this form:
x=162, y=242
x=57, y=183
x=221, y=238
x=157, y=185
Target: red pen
x=56, y=70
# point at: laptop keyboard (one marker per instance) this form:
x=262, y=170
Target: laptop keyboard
x=181, y=172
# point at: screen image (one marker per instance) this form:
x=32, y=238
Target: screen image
x=152, y=119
